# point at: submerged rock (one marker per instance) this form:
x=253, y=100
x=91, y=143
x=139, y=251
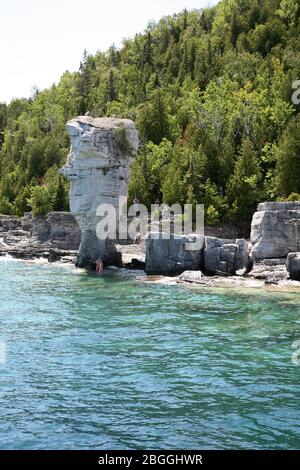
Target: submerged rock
x=293, y=266
x=275, y=230
x=98, y=168
x=58, y=255
x=136, y=264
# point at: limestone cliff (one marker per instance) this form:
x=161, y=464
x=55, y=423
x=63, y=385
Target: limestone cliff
x=275, y=230
x=98, y=168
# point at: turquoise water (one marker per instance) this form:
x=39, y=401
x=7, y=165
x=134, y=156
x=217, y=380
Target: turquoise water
x=116, y=363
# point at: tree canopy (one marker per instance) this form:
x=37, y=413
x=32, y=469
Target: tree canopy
x=211, y=93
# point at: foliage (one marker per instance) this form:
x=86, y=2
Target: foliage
x=288, y=159
x=210, y=91
x=40, y=200
x=244, y=186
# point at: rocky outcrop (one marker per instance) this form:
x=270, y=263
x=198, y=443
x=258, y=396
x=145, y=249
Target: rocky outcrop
x=293, y=266
x=225, y=256
x=98, y=168
x=275, y=230
x=13, y=231
x=173, y=256
x=9, y=222
x=66, y=256
x=55, y=237
x=213, y=256
x=58, y=228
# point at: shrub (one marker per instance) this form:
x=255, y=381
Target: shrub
x=6, y=207
x=40, y=200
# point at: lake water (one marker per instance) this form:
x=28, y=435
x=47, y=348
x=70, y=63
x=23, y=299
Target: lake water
x=116, y=363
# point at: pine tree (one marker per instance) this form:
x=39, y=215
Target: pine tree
x=85, y=81
x=185, y=19
x=244, y=187
x=3, y=120
x=61, y=197
x=288, y=159
x=113, y=56
x=154, y=121
x=111, y=87
x=147, y=52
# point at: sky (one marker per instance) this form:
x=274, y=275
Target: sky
x=40, y=40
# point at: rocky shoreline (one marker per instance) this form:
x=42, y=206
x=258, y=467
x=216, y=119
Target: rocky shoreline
x=53, y=238
x=44, y=239
x=215, y=262
x=98, y=168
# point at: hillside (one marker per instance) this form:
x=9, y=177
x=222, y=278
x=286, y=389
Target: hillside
x=211, y=93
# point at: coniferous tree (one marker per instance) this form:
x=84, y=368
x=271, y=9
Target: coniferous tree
x=206, y=88
x=244, y=186
x=111, y=87
x=288, y=159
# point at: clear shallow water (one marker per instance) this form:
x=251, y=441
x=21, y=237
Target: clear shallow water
x=111, y=363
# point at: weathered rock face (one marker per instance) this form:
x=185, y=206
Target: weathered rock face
x=171, y=256
x=275, y=230
x=293, y=266
x=53, y=237
x=98, y=168
x=58, y=228
x=225, y=256
x=213, y=256
x=8, y=222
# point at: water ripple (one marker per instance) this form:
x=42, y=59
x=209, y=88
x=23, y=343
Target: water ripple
x=98, y=363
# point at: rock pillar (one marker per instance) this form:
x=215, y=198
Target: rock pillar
x=98, y=169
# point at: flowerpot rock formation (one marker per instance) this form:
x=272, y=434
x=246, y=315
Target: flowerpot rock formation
x=98, y=169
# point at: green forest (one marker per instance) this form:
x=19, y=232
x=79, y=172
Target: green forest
x=211, y=94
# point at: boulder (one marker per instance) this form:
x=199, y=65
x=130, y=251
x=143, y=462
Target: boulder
x=293, y=266
x=98, y=169
x=191, y=277
x=225, y=256
x=57, y=255
x=173, y=255
x=275, y=230
x=136, y=264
